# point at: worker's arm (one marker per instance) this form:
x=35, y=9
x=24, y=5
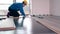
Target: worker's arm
x=22, y=11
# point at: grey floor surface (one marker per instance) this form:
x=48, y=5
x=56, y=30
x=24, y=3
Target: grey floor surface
x=31, y=26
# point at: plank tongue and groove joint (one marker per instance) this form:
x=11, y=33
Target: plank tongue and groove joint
x=7, y=24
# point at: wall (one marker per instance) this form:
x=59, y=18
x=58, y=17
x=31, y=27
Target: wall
x=55, y=7
x=3, y=12
x=40, y=7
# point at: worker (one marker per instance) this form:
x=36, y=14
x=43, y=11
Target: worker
x=13, y=11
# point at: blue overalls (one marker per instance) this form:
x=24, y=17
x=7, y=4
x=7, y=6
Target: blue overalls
x=13, y=11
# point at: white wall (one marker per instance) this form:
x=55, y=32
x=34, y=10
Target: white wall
x=3, y=12
x=40, y=7
x=55, y=7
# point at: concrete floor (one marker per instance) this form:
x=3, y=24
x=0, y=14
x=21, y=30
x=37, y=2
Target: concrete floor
x=30, y=27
